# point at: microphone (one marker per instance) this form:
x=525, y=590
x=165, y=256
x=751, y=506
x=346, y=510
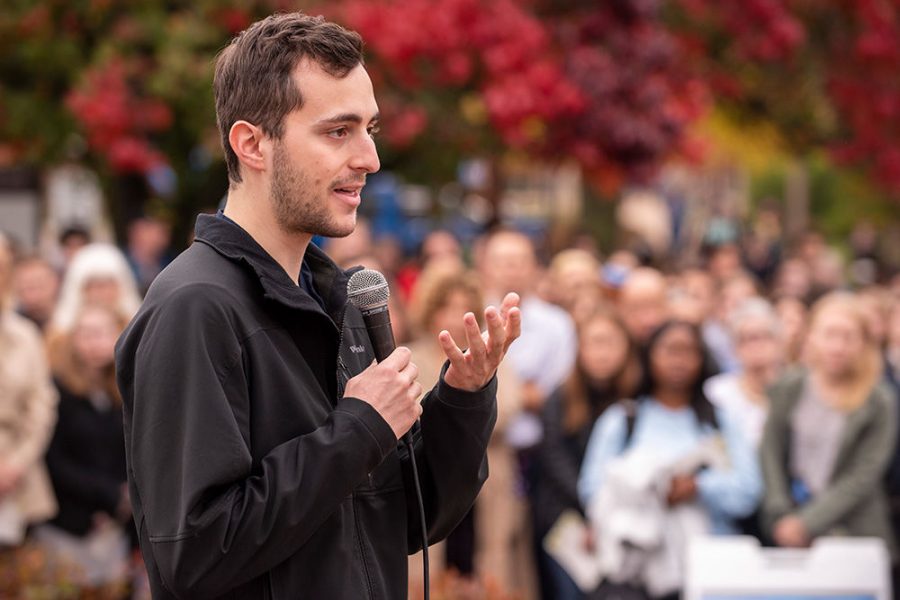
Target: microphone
x=368, y=291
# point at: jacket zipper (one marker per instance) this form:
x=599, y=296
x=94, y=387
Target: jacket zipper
x=362, y=549
x=341, y=367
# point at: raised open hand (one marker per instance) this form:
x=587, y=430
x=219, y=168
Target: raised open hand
x=472, y=369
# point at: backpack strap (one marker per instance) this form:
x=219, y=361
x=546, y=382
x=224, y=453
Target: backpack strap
x=631, y=407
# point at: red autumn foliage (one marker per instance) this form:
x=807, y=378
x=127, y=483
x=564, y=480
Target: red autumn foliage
x=116, y=121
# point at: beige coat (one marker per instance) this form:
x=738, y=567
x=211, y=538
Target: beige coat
x=27, y=414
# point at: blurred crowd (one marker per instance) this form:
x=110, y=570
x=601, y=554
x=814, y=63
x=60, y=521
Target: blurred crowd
x=750, y=389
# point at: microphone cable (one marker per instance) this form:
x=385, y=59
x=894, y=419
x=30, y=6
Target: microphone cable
x=410, y=447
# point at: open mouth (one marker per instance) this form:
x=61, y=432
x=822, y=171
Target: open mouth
x=352, y=192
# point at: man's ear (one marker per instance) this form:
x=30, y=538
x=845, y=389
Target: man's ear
x=246, y=141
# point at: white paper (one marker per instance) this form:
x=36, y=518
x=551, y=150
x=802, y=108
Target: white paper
x=12, y=525
x=565, y=543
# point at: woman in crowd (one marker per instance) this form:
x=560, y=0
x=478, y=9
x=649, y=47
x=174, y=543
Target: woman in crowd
x=495, y=544
x=755, y=329
x=830, y=434
x=792, y=313
x=27, y=414
x=98, y=274
x=86, y=457
x=692, y=455
x=606, y=371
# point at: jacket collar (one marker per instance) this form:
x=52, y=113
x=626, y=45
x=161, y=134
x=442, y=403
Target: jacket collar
x=231, y=241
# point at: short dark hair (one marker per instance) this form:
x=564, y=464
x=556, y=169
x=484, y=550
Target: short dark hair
x=253, y=80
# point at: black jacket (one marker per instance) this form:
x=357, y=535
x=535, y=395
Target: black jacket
x=86, y=461
x=560, y=455
x=250, y=475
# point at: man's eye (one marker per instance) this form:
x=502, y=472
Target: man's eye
x=373, y=131
x=338, y=133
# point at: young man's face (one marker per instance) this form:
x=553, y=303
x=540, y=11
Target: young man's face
x=320, y=164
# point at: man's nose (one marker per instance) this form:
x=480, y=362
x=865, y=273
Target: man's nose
x=366, y=156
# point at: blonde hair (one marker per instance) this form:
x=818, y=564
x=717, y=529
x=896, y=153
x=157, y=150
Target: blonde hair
x=868, y=368
x=66, y=366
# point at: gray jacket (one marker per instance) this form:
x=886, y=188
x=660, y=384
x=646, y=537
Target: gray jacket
x=854, y=503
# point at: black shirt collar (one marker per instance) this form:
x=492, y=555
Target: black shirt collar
x=231, y=241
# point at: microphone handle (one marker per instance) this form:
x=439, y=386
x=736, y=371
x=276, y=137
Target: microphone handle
x=378, y=324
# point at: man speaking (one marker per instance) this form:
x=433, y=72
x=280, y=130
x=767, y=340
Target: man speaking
x=261, y=437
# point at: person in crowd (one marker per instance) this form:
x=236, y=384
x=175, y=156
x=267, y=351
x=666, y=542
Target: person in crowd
x=692, y=296
x=830, y=434
x=72, y=239
x=892, y=346
x=98, y=274
x=574, y=282
x=492, y=541
x=716, y=333
x=686, y=460
x=544, y=354
x=606, y=370
x=27, y=415
x=756, y=332
x=438, y=246
x=892, y=376
x=793, y=278
x=876, y=305
x=724, y=261
x=35, y=289
x=643, y=303
x=828, y=272
x=86, y=457
x=792, y=314
x=147, y=251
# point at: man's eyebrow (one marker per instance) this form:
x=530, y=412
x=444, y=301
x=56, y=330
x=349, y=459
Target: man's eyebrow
x=346, y=118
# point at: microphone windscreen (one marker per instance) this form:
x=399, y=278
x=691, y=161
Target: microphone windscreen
x=368, y=289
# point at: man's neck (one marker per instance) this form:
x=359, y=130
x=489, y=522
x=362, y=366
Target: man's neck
x=254, y=215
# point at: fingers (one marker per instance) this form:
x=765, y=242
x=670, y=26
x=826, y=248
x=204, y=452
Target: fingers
x=496, y=334
x=509, y=301
x=398, y=359
x=473, y=336
x=410, y=373
x=451, y=350
x=513, y=326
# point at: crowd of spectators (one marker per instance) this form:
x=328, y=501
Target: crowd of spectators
x=750, y=390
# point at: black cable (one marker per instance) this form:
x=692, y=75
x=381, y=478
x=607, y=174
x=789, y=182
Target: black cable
x=412, y=459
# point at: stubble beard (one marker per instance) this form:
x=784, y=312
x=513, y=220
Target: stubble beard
x=298, y=207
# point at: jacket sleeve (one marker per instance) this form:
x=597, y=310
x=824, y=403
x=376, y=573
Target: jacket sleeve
x=215, y=520
x=38, y=416
x=735, y=491
x=773, y=457
x=451, y=456
x=861, y=474
x=557, y=468
x=606, y=443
